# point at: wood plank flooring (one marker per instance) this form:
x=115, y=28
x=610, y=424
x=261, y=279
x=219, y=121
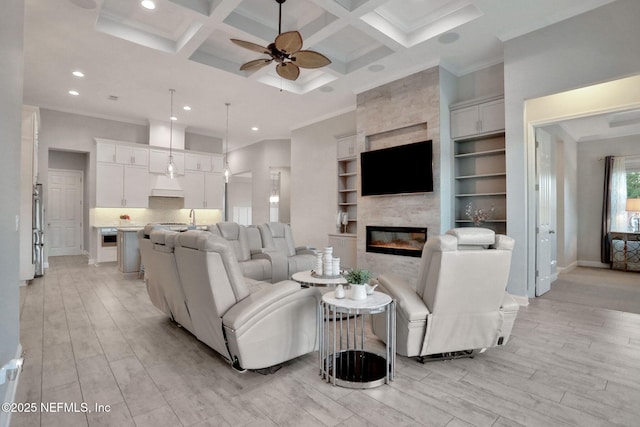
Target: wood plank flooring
x=91, y=336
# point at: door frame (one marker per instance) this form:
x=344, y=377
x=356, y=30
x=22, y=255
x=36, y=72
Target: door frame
x=80, y=208
x=609, y=97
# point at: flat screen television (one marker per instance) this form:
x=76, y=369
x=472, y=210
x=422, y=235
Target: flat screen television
x=397, y=170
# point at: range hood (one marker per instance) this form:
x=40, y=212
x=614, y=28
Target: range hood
x=162, y=185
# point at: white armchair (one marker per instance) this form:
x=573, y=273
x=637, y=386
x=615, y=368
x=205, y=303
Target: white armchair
x=459, y=302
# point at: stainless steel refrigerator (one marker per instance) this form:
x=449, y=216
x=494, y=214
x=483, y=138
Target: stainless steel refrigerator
x=38, y=230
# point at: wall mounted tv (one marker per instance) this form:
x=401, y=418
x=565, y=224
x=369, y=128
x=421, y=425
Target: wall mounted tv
x=397, y=170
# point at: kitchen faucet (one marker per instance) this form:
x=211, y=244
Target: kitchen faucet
x=192, y=217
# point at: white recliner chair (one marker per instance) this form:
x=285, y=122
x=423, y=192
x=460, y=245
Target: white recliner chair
x=459, y=302
x=255, y=263
x=279, y=236
x=253, y=330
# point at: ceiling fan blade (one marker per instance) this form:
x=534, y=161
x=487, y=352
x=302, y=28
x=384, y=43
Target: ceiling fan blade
x=251, y=46
x=310, y=59
x=288, y=71
x=289, y=42
x=256, y=64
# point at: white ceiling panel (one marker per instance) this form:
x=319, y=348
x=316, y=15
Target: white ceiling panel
x=136, y=55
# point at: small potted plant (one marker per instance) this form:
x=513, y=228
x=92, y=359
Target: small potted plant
x=124, y=219
x=357, y=278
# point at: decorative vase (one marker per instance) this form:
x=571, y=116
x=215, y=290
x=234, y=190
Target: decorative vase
x=340, y=292
x=336, y=267
x=358, y=292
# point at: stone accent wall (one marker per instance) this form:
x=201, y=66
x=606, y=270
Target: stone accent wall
x=401, y=112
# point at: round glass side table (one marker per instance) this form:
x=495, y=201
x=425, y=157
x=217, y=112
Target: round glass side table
x=344, y=359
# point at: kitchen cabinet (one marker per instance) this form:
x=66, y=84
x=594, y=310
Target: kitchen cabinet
x=128, y=255
x=158, y=160
x=197, y=162
x=482, y=118
x=344, y=247
x=120, y=185
x=126, y=154
x=203, y=190
x=217, y=163
x=112, y=152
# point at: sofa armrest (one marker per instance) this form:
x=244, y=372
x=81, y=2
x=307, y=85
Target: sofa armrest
x=262, y=302
x=300, y=250
x=279, y=263
x=407, y=300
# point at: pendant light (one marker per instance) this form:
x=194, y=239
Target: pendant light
x=227, y=171
x=171, y=167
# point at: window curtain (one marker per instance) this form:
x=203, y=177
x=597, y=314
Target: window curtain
x=614, y=216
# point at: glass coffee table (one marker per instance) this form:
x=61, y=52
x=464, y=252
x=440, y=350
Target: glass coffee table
x=344, y=359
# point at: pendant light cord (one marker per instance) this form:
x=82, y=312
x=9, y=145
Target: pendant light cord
x=171, y=126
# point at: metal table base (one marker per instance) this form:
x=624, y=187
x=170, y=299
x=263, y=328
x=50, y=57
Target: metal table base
x=344, y=360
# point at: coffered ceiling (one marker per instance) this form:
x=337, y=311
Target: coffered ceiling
x=132, y=56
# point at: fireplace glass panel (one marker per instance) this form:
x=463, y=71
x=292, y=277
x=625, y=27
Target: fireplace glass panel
x=407, y=241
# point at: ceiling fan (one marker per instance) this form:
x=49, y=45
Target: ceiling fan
x=286, y=50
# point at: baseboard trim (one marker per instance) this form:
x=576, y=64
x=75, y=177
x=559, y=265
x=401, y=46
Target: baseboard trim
x=522, y=301
x=568, y=268
x=10, y=394
x=595, y=264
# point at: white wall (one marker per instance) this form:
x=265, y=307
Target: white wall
x=314, y=178
x=11, y=81
x=258, y=159
x=590, y=48
x=590, y=190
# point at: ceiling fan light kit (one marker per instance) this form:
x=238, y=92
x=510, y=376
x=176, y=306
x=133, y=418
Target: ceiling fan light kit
x=286, y=51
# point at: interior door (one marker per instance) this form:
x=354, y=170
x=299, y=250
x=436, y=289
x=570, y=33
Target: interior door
x=546, y=204
x=64, y=213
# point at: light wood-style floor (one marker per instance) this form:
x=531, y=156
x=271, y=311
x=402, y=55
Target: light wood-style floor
x=93, y=337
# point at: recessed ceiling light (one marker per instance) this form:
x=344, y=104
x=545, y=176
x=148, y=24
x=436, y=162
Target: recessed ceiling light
x=78, y=73
x=186, y=108
x=148, y=4
x=255, y=128
x=74, y=92
x=375, y=68
x=174, y=118
x=448, y=38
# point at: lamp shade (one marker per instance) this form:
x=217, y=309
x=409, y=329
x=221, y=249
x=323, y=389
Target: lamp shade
x=633, y=205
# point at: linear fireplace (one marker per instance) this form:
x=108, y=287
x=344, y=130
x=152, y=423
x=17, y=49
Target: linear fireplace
x=407, y=241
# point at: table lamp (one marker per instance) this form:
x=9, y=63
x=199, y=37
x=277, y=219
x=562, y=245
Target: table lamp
x=633, y=205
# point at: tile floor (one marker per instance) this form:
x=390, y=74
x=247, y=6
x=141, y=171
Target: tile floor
x=92, y=337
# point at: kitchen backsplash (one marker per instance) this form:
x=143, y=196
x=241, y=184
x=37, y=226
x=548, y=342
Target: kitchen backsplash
x=161, y=209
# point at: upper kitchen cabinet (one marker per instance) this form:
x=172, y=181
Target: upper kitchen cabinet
x=122, y=175
x=120, y=185
x=197, y=162
x=478, y=119
x=158, y=160
x=112, y=152
x=203, y=190
x=130, y=155
x=217, y=163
